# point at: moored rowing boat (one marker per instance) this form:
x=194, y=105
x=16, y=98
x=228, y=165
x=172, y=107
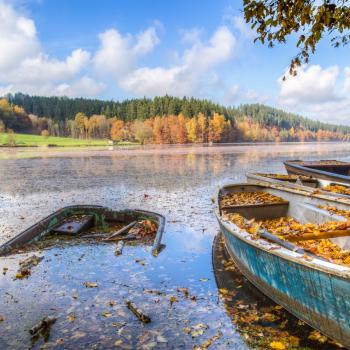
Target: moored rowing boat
x=314, y=289
x=331, y=170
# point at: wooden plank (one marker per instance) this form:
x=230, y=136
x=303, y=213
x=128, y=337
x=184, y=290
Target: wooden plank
x=121, y=231
x=318, y=235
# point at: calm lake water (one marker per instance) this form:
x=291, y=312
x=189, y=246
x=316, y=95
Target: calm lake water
x=178, y=182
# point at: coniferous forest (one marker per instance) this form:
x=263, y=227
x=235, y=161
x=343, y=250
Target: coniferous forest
x=160, y=120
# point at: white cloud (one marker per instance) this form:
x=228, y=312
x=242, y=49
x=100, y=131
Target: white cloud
x=311, y=85
x=320, y=93
x=84, y=86
x=183, y=78
x=118, y=54
x=17, y=38
x=25, y=67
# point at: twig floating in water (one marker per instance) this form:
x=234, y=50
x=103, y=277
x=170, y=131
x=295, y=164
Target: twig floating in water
x=137, y=312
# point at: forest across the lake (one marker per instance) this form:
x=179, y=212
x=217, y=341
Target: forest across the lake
x=161, y=120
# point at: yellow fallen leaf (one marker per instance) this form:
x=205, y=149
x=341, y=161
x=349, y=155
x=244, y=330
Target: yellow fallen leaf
x=277, y=345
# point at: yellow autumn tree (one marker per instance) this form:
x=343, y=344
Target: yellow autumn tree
x=216, y=127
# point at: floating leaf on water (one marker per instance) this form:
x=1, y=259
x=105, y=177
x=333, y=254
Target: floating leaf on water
x=204, y=279
x=71, y=317
x=106, y=314
x=90, y=284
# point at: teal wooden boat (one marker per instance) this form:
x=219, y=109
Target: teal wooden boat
x=69, y=221
x=332, y=170
x=313, y=289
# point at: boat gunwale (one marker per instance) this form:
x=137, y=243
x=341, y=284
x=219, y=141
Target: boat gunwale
x=6, y=247
x=259, y=179
x=294, y=164
x=275, y=249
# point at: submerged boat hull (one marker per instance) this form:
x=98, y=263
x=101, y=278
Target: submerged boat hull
x=297, y=168
x=99, y=213
x=320, y=299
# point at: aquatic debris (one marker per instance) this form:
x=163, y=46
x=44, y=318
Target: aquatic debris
x=196, y=330
x=4, y=270
x=43, y=325
x=208, y=342
x=71, y=317
x=137, y=312
x=90, y=284
x=144, y=228
x=2, y=318
x=120, y=232
x=26, y=265
x=249, y=198
x=119, y=248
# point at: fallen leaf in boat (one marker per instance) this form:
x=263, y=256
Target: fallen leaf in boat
x=294, y=341
x=317, y=336
x=224, y=291
x=71, y=317
x=277, y=345
x=90, y=284
x=269, y=317
x=249, y=198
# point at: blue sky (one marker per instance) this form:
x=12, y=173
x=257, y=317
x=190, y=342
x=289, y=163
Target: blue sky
x=127, y=48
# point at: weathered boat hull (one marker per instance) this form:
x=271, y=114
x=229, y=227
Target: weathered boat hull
x=100, y=215
x=296, y=167
x=320, y=299
x=315, y=291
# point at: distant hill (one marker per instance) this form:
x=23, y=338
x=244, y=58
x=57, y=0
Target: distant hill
x=62, y=108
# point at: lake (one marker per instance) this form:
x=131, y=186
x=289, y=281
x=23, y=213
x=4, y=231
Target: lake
x=180, y=288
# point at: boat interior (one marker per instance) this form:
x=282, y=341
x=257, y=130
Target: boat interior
x=302, y=208
x=87, y=223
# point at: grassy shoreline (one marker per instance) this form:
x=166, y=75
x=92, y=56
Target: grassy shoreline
x=27, y=140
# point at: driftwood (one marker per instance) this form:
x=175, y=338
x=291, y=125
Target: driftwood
x=137, y=312
x=119, y=248
x=115, y=235
x=44, y=324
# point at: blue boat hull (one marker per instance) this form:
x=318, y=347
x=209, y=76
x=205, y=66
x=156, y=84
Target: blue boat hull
x=320, y=299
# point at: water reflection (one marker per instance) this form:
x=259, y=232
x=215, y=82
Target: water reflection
x=179, y=183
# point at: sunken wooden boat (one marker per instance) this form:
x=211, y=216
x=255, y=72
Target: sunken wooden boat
x=332, y=170
x=80, y=222
x=314, y=289
x=312, y=185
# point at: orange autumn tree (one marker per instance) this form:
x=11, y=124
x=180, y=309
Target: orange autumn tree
x=117, y=130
